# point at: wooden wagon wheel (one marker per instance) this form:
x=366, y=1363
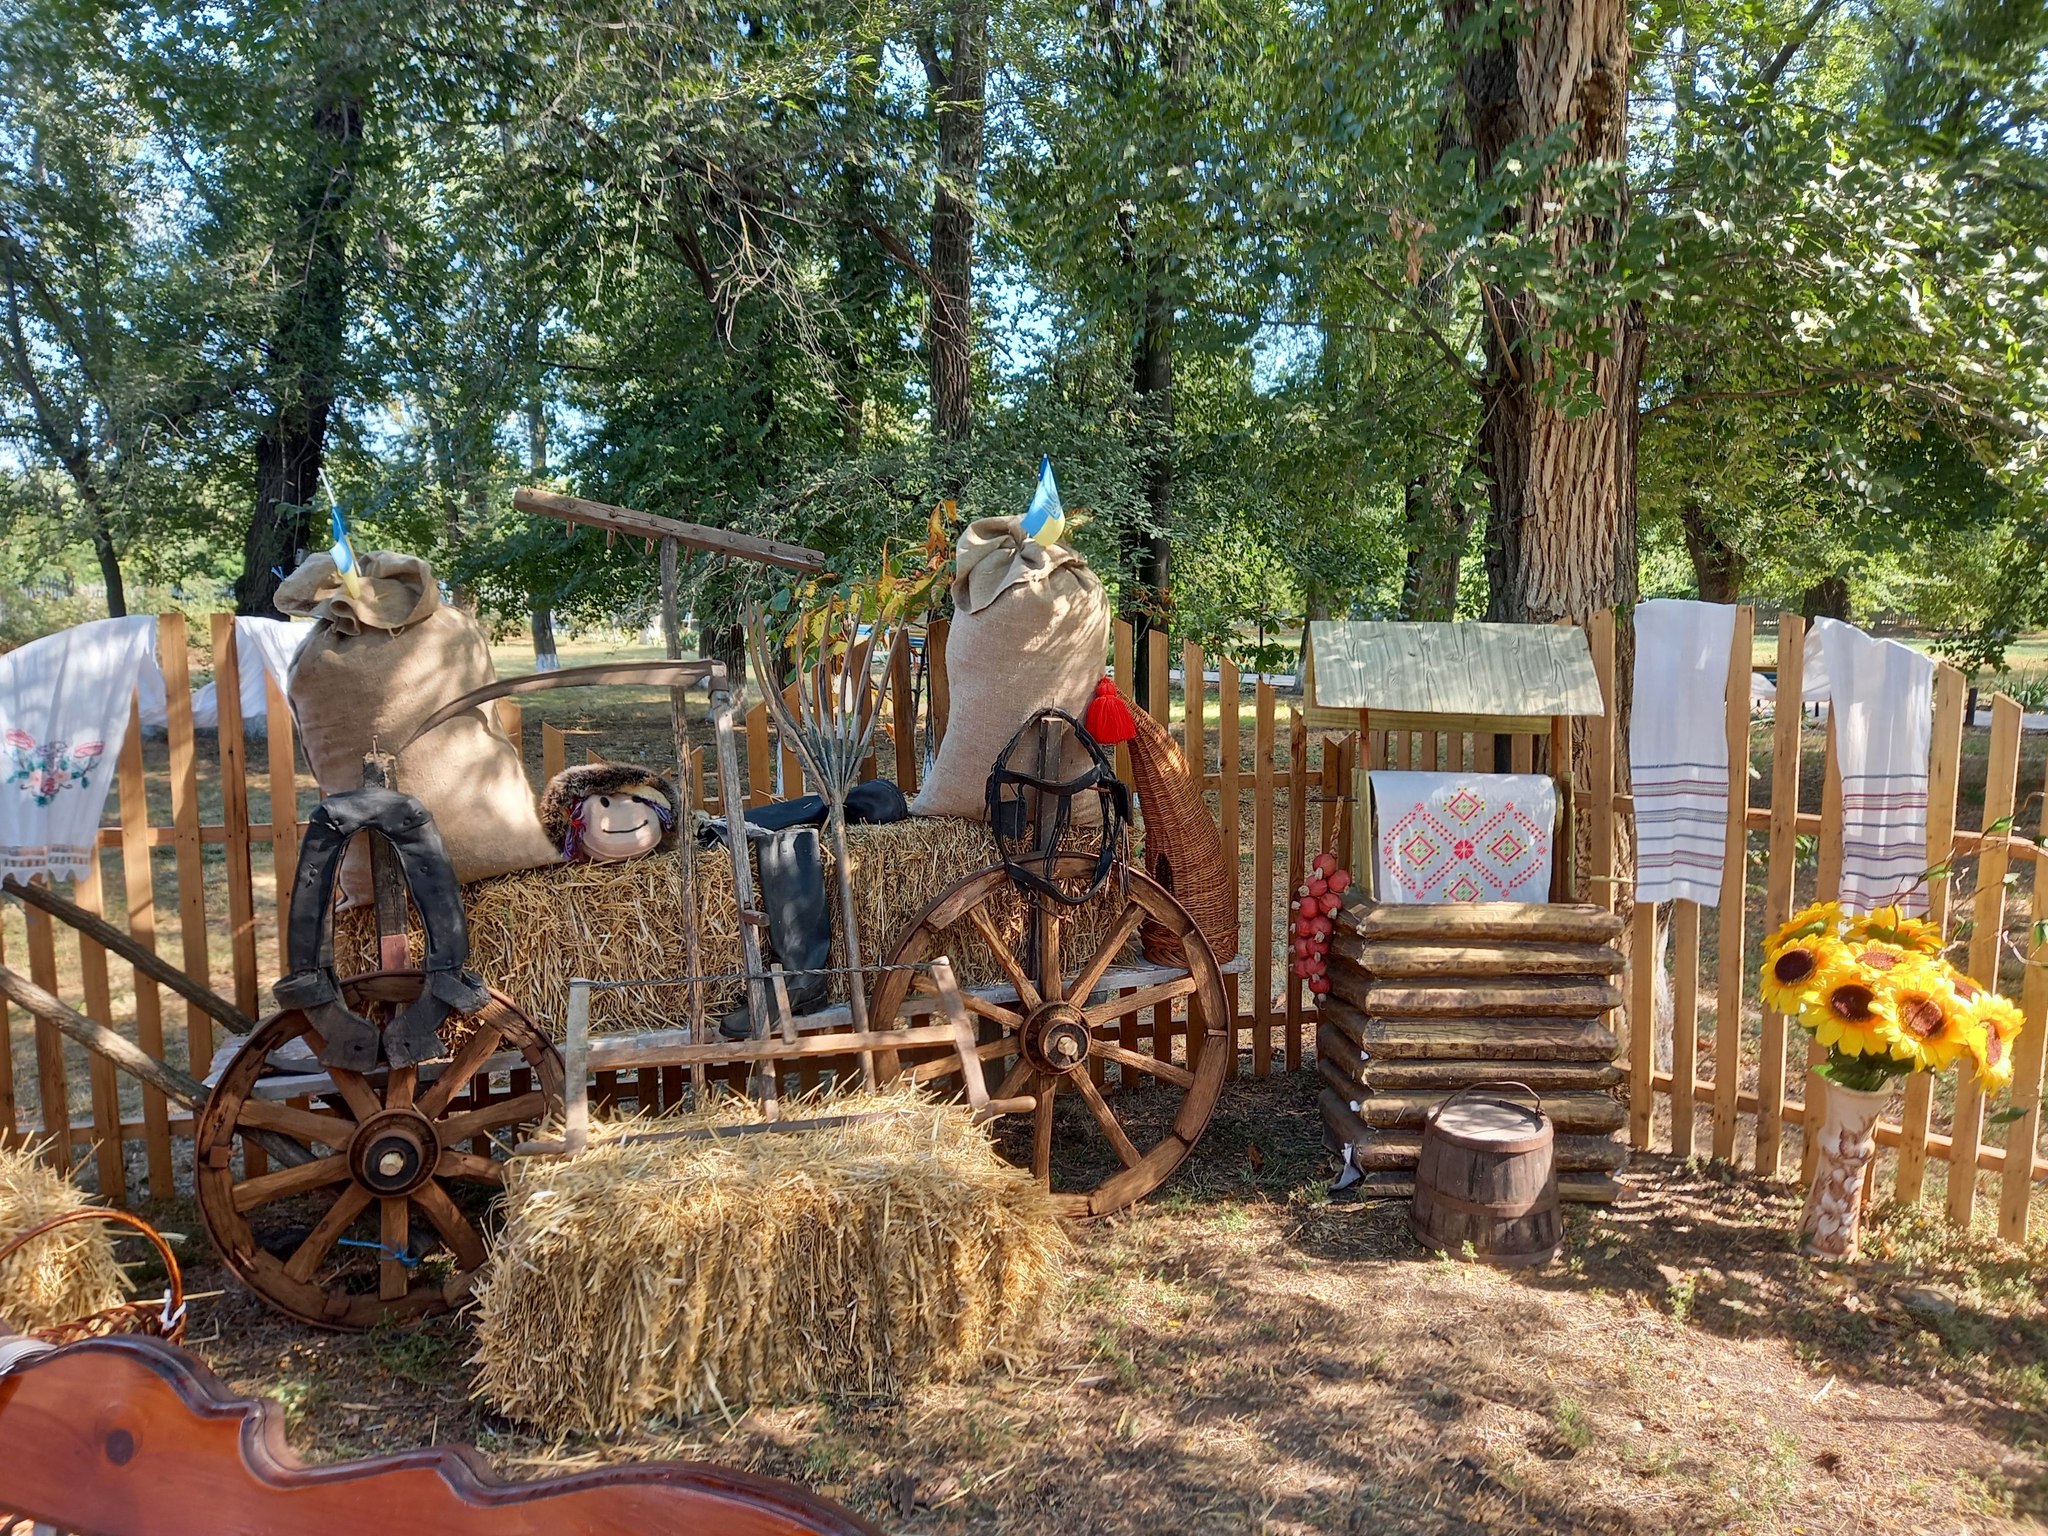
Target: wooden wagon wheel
x=337, y=1241
x=1109, y=1119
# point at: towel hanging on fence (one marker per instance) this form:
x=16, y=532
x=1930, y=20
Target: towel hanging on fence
x=264, y=648
x=1881, y=700
x=1678, y=748
x=65, y=702
x=1463, y=836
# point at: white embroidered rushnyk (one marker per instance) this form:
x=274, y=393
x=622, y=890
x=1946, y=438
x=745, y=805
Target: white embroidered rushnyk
x=1881, y=698
x=1678, y=748
x=1463, y=837
x=65, y=702
x=264, y=648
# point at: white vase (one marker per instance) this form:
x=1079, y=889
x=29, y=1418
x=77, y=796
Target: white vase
x=1831, y=1227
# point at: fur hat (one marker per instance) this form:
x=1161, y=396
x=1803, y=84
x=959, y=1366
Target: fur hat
x=572, y=786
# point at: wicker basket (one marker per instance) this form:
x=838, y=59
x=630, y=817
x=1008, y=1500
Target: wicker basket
x=1183, y=849
x=162, y=1319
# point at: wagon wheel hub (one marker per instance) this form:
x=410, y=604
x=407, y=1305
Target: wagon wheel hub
x=394, y=1153
x=1056, y=1038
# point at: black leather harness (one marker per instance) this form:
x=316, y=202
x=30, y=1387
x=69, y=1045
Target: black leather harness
x=351, y=1041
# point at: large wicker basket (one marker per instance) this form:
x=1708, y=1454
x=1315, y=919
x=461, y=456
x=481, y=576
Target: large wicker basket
x=1183, y=849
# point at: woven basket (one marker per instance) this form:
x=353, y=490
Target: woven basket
x=162, y=1319
x=1183, y=849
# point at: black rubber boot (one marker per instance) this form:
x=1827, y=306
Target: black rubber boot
x=799, y=923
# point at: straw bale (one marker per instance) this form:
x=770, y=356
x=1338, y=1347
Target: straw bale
x=659, y=1278
x=529, y=933
x=64, y=1275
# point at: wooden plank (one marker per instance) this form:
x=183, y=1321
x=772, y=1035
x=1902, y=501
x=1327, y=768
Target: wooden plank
x=1944, y=783
x=1297, y=861
x=1685, y=1020
x=105, y=1082
x=760, y=761
x=1377, y=1149
x=1599, y=763
x=1124, y=664
x=1734, y=873
x=1448, y=1076
x=937, y=678
x=53, y=1087
x=139, y=892
x=1498, y=1039
x=1827, y=886
x=1542, y=998
x=1642, y=1007
x=1572, y=1112
x=1158, y=680
x=1781, y=861
x=554, y=750
x=1328, y=801
x=284, y=799
x=1522, y=753
x=1480, y=922
x=903, y=719
x=10, y=1107
x=234, y=795
x=1230, y=816
x=1445, y=668
x=1345, y=803
x=2015, y=1193
x=1987, y=934
x=1392, y=957
x=1194, y=692
x=184, y=758
x=1266, y=913
x=630, y=520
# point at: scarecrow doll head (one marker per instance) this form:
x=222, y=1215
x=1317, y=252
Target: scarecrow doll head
x=603, y=812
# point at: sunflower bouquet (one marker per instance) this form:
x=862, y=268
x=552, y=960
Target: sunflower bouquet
x=1877, y=993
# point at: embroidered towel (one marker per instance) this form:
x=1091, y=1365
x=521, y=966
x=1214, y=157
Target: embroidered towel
x=65, y=701
x=1881, y=699
x=264, y=648
x=1678, y=748
x=1463, y=836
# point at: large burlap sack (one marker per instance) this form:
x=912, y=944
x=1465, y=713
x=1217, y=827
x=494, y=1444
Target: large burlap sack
x=374, y=667
x=1030, y=629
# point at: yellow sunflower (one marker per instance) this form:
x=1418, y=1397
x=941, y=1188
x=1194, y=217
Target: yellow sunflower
x=1876, y=956
x=1794, y=970
x=1997, y=1024
x=1822, y=917
x=1891, y=926
x=1934, y=1025
x=1852, y=1014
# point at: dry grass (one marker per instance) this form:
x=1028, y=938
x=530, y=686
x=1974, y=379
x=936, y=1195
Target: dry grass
x=657, y=1278
x=64, y=1275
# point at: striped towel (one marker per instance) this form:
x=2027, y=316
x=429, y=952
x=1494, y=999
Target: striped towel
x=1881, y=697
x=1678, y=748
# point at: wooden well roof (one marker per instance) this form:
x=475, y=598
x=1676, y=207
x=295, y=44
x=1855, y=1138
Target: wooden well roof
x=1452, y=669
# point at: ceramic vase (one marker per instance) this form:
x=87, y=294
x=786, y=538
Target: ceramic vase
x=1831, y=1227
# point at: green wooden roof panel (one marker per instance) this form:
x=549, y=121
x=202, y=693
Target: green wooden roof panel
x=1452, y=669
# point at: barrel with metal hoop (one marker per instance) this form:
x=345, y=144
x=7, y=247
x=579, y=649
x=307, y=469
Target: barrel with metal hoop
x=1487, y=1177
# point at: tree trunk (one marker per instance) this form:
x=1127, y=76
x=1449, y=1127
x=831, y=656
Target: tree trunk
x=1147, y=601
x=957, y=88
x=307, y=345
x=1827, y=598
x=1717, y=565
x=545, y=657
x=1439, y=527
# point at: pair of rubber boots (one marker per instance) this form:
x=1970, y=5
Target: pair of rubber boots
x=799, y=924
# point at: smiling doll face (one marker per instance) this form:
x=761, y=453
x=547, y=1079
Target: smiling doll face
x=620, y=824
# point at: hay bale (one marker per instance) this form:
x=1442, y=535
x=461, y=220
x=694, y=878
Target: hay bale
x=529, y=933
x=646, y=1279
x=63, y=1275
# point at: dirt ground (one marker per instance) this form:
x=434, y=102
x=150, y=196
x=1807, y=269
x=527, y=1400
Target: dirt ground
x=1240, y=1354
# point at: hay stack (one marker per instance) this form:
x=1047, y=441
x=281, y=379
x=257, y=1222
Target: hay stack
x=60, y=1277
x=530, y=932
x=661, y=1278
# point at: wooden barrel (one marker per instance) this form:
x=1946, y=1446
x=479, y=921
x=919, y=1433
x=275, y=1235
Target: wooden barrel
x=1486, y=1175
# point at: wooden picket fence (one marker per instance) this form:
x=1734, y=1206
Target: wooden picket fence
x=209, y=842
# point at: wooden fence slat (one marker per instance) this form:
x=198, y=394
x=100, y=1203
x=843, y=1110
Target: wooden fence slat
x=1780, y=864
x=53, y=1087
x=139, y=891
x=554, y=750
x=184, y=752
x=2016, y=1190
x=937, y=680
x=234, y=798
x=10, y=1108
x=1734, y=873
x=1599, y=765
x=1327, y=803
x=1827, y=886
x=1158, y=678
x=1265, y=913
x=511, y=715
x=1346, y=805
x=903, y=718
x=1228, y=703
x=1944, y=778
x=284, y=800
x=1685, y=1021
x=1298, y=793
x=1987, y=936
x=1194, y=689
x=760, y=773
x=1123, y=662
x=100, y=1072
x=1642, y=1007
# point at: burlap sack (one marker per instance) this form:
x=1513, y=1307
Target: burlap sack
x=373, y=668
x=1030, y=631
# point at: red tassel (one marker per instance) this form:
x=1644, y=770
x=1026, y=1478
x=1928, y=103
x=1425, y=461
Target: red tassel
x=1109, y=718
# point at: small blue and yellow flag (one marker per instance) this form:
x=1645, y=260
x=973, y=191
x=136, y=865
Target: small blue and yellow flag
x=1046, y=519
x=344, y=554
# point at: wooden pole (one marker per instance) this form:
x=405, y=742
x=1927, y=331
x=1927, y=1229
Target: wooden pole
x=713, y=541
x=1734, y=884
x=1780, y=865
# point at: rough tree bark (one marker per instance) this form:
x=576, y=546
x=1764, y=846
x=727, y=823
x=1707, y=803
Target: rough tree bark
x=307, y=344
x=1717, y=563
x=957, y=83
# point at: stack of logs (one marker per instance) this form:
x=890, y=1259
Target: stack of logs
x=1427, y=999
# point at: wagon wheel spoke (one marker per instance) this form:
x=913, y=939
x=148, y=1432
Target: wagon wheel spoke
x=400, y=1086
x=320, y=1241
x=1041, y=1129
x=266, y=1187
x=467, y=1165
x=1106, y=1118
x=307, y=1125
x=995, y=1013
x=454, y=1227
x=999, y=948
x=1179, y=1076
x=494, y=1116
x=394, y=1232
x=356, y=1092
x=1015, y=1080
x=1112, y=945
x=1052, y=984
x=1105, y=1014
x=476, y=1050
x=945, y=1066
